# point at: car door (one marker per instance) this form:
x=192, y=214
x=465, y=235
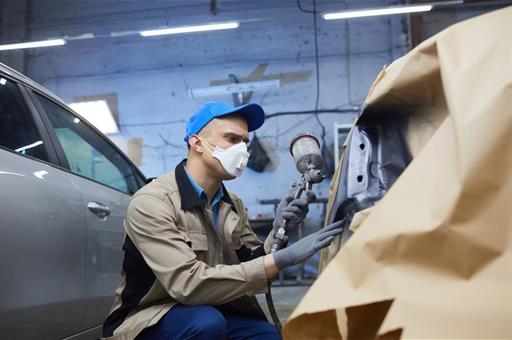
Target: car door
x=43, y=291
x=106, y=181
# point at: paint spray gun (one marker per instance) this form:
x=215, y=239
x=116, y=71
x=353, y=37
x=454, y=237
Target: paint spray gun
x=305, y=150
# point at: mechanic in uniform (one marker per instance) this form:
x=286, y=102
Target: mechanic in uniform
x=192, y=264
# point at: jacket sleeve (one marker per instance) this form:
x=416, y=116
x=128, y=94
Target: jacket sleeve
x=251, y=247
x=151, y=226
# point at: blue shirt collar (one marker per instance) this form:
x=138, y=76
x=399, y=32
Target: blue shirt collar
x=200, y=192
x=188, y=195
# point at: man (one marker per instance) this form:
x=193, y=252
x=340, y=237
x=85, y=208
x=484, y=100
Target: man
x=192, y=263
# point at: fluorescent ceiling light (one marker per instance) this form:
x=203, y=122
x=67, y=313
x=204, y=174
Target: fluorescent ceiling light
x=191, y=29
x=81, y=36
x=377, y=11
x=97, y=113
x=233, y=88
x=33, y=44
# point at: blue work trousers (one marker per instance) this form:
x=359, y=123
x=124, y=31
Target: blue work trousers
x=207, y=322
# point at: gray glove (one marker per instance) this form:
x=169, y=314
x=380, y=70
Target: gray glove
x=293, y=210
x=303, y=249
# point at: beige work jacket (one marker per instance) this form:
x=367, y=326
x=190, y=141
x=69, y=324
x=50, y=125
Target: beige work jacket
x=174, y=255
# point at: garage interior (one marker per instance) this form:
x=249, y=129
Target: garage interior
x=310, y=73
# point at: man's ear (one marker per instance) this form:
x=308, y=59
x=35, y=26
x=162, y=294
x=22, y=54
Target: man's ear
x=196, y=144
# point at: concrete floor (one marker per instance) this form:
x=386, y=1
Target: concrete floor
x=285, y=300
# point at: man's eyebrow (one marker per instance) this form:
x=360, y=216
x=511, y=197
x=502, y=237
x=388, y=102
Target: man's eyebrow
x=236, y=135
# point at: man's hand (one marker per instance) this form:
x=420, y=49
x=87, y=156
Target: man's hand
x=292, y=210
x=303, y=249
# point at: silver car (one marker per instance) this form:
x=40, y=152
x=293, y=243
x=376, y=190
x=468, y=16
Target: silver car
x=64, y=191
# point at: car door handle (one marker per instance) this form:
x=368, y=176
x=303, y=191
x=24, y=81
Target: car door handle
x=100, y=210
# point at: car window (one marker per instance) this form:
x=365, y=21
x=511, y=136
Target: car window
x=88, y=153
x=18, y=130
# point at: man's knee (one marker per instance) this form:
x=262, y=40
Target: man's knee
x=212, y=324
x=270, y=331
x=246, y=328
x=197, y=322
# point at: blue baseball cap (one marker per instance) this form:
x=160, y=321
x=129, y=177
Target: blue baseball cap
x=252, y=113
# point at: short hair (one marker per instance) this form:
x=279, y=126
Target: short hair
x=205, y=132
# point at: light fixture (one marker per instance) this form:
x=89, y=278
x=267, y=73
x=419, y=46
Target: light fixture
x=33, y=44
x=3, y=81
x=191, y=29
x=30, y=146
x=233, y=88
x=97, y=113
x=377, y=11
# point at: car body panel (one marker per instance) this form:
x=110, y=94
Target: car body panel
x=43, y=247
x=104, y=241
x=61, y=262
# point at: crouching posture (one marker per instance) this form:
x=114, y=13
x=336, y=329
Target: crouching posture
x=192, y=263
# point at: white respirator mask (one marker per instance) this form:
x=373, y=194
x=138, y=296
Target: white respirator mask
x=233, y=159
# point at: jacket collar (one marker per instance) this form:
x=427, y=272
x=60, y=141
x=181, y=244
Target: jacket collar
x=189, y=197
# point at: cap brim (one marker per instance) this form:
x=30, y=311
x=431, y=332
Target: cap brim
x=252, y=113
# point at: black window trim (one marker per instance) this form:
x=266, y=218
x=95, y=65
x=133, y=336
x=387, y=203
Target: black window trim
x=53, y=156
x=43, y=133
x=64, y=165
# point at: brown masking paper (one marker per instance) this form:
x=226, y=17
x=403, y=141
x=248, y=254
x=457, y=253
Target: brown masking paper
x=433, y=259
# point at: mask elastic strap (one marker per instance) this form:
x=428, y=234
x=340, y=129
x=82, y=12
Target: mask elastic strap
x=206, y=143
